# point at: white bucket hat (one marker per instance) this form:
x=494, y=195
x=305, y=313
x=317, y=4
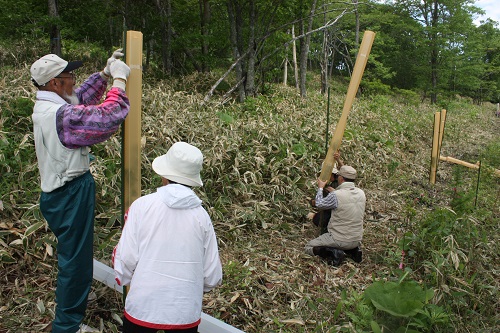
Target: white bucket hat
x=182, y=164
x=49, y=66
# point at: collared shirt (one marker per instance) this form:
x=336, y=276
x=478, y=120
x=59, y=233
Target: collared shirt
x=89, y=122
x=328, y=202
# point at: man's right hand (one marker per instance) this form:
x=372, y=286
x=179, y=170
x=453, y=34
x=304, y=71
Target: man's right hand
x=120, y=72
x=321, y=184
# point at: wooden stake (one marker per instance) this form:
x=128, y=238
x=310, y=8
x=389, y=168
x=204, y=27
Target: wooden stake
x=456, y=161
x=435, y=147
x=132, y=136
x=441, y=129
x=359, y=68
x=496, y=172
x=131, y=145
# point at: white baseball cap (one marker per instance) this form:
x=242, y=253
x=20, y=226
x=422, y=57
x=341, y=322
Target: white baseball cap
x=182, y=164
x=49, y=66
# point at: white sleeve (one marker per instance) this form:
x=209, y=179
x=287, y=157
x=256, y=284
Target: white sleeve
x=212, y=267
x=126, y=252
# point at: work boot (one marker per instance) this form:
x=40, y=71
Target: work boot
x=355, y=254
x=333, y=256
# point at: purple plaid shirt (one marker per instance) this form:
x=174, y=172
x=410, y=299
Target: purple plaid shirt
x=89, y=123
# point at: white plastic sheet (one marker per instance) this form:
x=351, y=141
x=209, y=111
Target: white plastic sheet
x=209, y=324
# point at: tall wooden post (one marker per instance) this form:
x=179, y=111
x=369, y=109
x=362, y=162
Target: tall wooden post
x=435, y=147
x=359, y=68
x=131, y=158
x=441, y=129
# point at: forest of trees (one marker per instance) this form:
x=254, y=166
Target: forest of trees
x=428, y=48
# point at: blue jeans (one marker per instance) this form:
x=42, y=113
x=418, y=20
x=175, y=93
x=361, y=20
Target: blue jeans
x=69, y=211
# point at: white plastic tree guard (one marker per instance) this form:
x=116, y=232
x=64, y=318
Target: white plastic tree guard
x=209, y=324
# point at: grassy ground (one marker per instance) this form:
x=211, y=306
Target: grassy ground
x=261, y=161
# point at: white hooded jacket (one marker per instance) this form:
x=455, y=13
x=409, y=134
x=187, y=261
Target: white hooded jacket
x=168, y=255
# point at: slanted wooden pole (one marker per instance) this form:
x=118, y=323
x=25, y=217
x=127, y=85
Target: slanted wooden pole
x=132, y=131
x=435, y=147
x=441, y=128
x=359, y=68
x=441, y=132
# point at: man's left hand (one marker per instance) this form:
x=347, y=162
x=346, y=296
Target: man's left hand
x=116, y=55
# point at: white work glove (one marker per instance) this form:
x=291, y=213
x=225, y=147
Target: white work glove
x=120, y=72
x=116, y=55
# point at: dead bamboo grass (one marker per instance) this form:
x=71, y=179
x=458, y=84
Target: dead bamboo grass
x=261, y=161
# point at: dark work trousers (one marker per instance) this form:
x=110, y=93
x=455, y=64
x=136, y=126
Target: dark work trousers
x=130, y=327
x=321, y=220
x=322, y=217
x=69, y=211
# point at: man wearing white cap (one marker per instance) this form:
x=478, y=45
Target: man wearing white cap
x=66, y=121
x=168, y=252
x=345, y=228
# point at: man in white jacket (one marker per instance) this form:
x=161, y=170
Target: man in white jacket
x=168, y=252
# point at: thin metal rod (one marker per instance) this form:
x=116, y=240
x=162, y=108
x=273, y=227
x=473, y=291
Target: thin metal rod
x=327, y=121
x=477, y=186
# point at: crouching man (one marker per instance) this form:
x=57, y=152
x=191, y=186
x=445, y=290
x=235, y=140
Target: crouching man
x=345, y=228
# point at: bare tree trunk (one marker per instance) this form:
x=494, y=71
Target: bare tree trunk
x=250, y=77
x=356, y=13
x=55, y=33
x=434, y=53
x=332, y=48
x=188, y=53
x=168, y=12
x=304, y=50
x=324, y=63
x=166, y=34
x=236, y=52
x=285, y=67
x=205, y=20
x=295, y=66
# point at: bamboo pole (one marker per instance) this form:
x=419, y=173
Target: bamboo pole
x=359, y=67
x=441, y=129
x=457, y=161
x=435, y=147
x=131, y=150
x=132, y=130
x=466, y=164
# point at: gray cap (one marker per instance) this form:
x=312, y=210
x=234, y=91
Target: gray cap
x=348, y=172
